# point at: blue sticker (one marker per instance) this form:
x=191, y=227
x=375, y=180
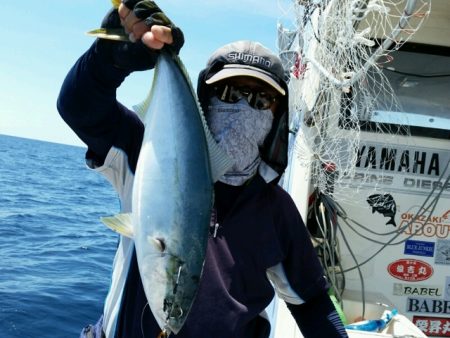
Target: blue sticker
x=419, y=248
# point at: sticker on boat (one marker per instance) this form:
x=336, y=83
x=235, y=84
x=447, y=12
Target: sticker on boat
x=433, y=326
x=411, y=270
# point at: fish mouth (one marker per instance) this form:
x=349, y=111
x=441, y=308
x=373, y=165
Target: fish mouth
x=174, y=315
x=173, y=310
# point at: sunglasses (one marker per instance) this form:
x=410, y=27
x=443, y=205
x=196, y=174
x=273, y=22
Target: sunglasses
x=256, y=98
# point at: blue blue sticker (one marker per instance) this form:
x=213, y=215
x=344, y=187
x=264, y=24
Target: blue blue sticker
x=419, y=248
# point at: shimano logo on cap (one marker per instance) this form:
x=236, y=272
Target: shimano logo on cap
x=250, y=59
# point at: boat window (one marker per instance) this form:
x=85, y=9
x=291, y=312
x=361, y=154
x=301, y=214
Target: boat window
x=421, y=83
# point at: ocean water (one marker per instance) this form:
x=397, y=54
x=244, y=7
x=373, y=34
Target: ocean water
x=55, y=254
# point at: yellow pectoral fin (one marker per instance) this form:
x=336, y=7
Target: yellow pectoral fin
x=120, y=223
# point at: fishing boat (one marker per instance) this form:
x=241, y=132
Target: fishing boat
x=370, y=157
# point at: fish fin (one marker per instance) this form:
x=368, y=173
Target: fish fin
x=392, y=222
x=120, y=223
x=219, y=160
x=158, y=243
x=115, y=3
x=141, y=109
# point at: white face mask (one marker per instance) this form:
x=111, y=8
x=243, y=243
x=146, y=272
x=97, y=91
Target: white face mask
x=240, y=130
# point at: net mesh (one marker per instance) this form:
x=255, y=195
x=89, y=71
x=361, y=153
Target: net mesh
x=334, y=52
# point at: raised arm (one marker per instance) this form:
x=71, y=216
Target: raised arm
x=87, y=100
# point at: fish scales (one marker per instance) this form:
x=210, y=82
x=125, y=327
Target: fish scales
x=172, y=197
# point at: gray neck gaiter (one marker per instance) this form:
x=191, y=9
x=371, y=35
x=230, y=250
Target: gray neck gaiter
x=240, y=130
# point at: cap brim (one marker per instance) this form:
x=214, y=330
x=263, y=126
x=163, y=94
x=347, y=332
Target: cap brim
x=243, y=70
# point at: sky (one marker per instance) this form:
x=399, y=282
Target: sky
x=42, y=40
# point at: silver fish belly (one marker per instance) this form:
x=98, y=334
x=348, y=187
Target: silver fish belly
x=172, y=197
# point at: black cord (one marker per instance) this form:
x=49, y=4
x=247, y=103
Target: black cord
x=415, y=74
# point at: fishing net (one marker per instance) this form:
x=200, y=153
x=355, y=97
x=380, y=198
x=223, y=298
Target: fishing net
x=334, y=52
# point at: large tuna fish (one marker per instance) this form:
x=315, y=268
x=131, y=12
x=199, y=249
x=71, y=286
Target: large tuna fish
x=172, y=194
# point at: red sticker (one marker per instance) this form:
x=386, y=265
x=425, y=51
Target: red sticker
x=433, y=326
x=410, y=270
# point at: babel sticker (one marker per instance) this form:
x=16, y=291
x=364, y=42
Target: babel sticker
x=414, y=289
x=410, y=270
x=435, y=306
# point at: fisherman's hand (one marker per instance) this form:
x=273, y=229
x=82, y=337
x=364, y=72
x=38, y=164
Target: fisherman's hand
x=144, y=20
x=148, y=37
x=125, y=55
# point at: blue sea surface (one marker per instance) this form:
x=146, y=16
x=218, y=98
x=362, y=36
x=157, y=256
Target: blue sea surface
x=55, y=254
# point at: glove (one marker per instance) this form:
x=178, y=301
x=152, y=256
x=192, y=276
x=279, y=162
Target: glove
x=129, y=56
x=149, y=11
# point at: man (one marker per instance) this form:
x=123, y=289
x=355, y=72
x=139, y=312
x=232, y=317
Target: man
x=258, y=241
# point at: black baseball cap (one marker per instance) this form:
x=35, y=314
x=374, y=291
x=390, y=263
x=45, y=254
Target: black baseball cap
x=248, y=58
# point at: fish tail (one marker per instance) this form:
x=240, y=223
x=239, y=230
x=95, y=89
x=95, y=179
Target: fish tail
x=115, y=3
x=392, y=221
